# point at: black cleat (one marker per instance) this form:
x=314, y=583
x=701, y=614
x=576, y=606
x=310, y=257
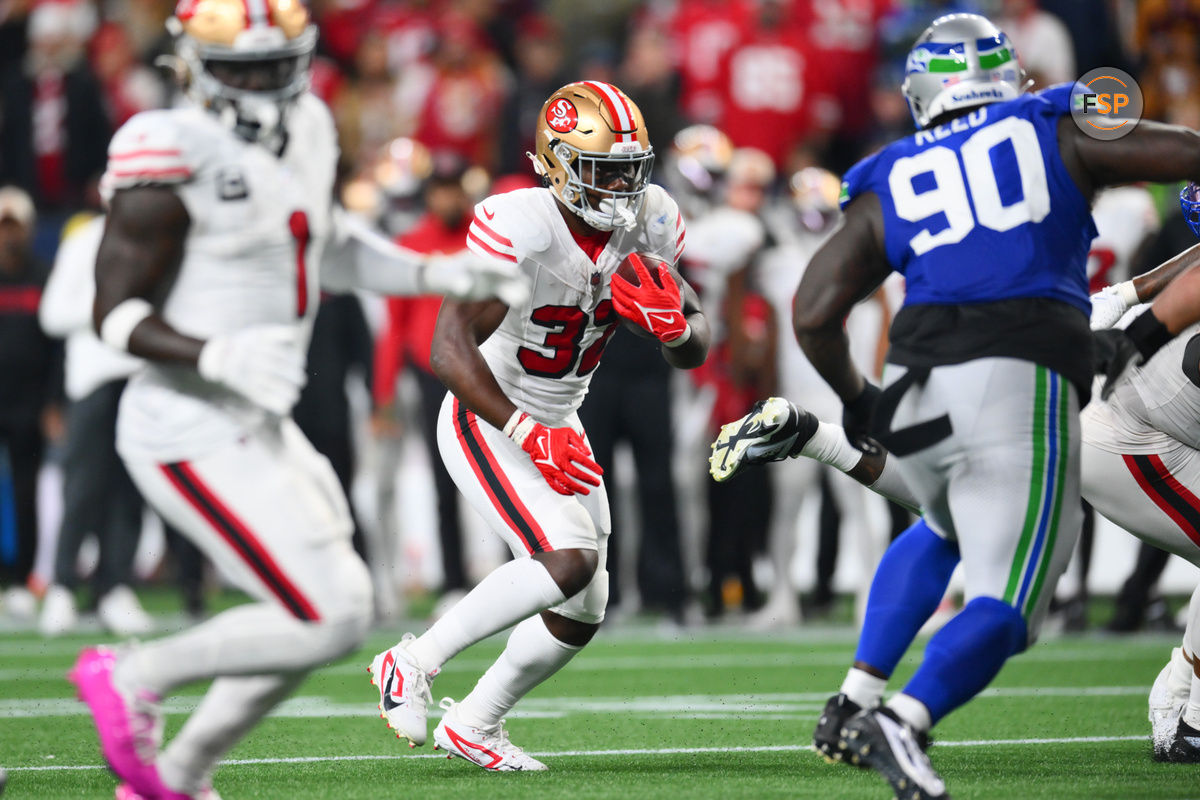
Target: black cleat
x=878, y=739
x=827, y=737
x=1185, y=747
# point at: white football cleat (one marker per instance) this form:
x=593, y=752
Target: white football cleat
x=488, y=748
x=121, y=613
x=404, y=695
x=1166, y=710
x=58, y=615
x=19, y=604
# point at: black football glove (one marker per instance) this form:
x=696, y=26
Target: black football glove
x=856, y=419
x=1115, y=349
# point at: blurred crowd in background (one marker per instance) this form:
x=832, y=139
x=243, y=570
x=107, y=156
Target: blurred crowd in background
x=754, y=107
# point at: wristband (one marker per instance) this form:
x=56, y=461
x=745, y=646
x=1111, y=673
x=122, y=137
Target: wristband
x=518, y=427
x=118, y=324
x=511, y=425
x=680, y=340
x=1148, y=334
x=1128, y=293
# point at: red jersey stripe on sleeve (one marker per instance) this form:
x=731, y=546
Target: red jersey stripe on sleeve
x=483, y=248
x=159, y=173
x=500, y=241
x=145, y=153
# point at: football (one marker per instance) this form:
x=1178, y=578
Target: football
x=628, y=272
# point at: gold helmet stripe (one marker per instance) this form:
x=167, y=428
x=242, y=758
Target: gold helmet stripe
x=618, y=108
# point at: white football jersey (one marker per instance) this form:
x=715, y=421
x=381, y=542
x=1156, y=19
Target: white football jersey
x=1124, y=216
x=259, y=223
x=545, y=351
x=722, y=241
x=1156, y=395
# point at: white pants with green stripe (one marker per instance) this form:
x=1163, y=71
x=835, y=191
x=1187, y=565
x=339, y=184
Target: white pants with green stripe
x=1005, y=484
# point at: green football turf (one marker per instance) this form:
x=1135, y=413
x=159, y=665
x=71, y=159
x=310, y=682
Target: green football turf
x=642, y=713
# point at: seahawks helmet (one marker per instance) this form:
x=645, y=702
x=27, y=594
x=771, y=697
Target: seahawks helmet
x=960, y=61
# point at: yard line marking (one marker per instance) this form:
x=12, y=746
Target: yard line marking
x=661, y=751
x=785, y=705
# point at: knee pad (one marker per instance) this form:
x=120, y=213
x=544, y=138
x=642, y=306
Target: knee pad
x=587, y=605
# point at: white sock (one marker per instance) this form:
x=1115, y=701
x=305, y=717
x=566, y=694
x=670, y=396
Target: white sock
x=230, y=708
x=891, y=485
x=911, y=710
x=513, y=591
x=1179, y=678
x=829, y=446
x=253, y=639
x=531, y=656
x=863, y=688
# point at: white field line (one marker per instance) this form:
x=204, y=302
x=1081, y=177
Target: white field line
x=599, y=662
x=664, y=751
x=799, y=705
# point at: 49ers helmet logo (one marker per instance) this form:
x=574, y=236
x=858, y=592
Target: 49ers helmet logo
x=561, y=116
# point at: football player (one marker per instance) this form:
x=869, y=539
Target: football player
x=209, y=268
x=508, y=430
x=985, y=213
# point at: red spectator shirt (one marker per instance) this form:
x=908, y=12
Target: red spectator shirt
x=702, y=33
x=408, y=334
x=775, y=91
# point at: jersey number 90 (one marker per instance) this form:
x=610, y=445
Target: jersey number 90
x=949, y=195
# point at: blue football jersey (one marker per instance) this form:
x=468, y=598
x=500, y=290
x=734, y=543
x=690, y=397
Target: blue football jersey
x=982, y=209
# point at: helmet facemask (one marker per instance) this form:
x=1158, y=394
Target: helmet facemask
x=590, y=175
x=251, y=83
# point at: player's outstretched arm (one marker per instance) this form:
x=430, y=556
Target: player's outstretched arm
x=1151, y=152
x=358, y=257
x=1110, y=303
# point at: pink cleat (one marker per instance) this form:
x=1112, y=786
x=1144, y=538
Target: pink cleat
x=129, y=724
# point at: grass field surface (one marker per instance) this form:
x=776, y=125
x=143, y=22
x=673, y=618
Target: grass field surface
x=641, y=713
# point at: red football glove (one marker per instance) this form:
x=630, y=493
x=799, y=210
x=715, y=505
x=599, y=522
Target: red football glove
x=658, y=310
x=558, y=453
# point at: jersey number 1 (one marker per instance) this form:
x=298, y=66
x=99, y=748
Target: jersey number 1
x=948, y=196
x=298, y=225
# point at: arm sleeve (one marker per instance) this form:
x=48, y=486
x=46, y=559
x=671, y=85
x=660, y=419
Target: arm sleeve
x=358, y=257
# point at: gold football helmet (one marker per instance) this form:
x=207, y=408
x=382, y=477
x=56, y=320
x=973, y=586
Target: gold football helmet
x=592, y=151
x=815, y=197
x=696, y=164
x=246, y=60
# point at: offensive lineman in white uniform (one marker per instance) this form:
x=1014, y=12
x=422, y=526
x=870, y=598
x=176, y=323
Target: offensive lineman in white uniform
x=508, y=431
x=209, y=269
